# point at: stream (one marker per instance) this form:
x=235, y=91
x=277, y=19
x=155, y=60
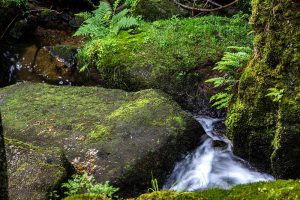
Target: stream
x=211, y=165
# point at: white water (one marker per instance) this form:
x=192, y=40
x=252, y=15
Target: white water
x=210, y=166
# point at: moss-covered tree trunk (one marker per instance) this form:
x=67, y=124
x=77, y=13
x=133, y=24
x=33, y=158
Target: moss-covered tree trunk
x=267, y=132
x=3, y=170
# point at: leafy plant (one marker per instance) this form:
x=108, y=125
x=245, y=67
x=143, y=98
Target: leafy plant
x=105, y=20
x=232, y=60
x=81, y=184
x=154, y=185
x=275, y=94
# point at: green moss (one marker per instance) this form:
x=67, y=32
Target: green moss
x=87, y=197
x=165, y=54
x=262, y=125
x=281, y=189
x=38, y=169
x=98, y=133
x=111, y=133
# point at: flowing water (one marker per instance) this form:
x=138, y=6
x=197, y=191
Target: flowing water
x=212, y=166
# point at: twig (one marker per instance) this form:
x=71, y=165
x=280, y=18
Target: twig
x=203, y=9
x=9, y=25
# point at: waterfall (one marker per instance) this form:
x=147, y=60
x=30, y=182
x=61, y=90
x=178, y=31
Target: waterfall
x=212, y=166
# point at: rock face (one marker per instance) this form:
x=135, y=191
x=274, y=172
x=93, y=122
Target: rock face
x=3, y=167
x=158, y=9
x=117, y=136
x=33, y=172
x=264, y=130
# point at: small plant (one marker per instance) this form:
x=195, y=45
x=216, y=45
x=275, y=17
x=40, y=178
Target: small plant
x=81, y=184
x=232, y=60
x=275, y=94
x=154, y=185
x=106, y=20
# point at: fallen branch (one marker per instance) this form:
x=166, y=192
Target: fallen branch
x=9, y=25
x=204, y=9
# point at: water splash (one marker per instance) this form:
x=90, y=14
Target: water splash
x=210, y=166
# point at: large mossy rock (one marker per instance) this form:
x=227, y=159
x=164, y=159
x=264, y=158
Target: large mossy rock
x=264, y=130
x=172, y=55
x=33, y=172
x=118, y=136
x=158, y=9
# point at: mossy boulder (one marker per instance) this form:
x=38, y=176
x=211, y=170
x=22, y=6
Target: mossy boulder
x=281, y=189
x=87, y=197
x=117, y=136
x=158, y=9
x=33, y=171
x=172, y=55
x=264, y=120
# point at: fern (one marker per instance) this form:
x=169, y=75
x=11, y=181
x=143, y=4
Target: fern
x=232, y=60
x=104, y=21
x=275, y=94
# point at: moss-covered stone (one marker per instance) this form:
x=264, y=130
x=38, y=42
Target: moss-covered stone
x=281, y=189
x=267, y=132
x=118, y=136
x=158, y=9
x=87, y=197
x=33, y=171
x=172, y=55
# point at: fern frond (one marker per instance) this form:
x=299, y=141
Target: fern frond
x=219, y=81
x=125, y=23
x=84, y=15
x=117, y=17
x=103, y=12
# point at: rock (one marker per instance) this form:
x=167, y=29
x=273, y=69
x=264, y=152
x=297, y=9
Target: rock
x=64, y=53
x=219, y=144
x=158, y=9
x=3, y=167
x=168, y=54
x=52, y=64
x=117, y=136
x=266, y=130
x=33, y=172
x=280, y=189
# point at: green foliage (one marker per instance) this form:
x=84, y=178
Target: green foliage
x=154, y=185
x=232, y=60
x=273, y=190
x=164, y=54
x=9, y=3
x=105, y=21
x=81, y=184
x=275, y=94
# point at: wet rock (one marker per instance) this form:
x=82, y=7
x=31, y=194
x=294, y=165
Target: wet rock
x=219, y=144
x=115, y=135
x=33, y=171
x=220, y=127
x=64, y=53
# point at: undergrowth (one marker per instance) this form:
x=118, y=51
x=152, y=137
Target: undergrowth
x=164, y=53
x=233, y=60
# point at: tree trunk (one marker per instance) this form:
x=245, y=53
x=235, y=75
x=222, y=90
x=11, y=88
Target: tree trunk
x=264, y=130
x=3, y=167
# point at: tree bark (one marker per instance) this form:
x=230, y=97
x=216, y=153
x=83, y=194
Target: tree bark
x=3, y=167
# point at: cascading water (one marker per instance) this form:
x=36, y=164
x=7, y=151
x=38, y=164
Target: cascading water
x=210, y=166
